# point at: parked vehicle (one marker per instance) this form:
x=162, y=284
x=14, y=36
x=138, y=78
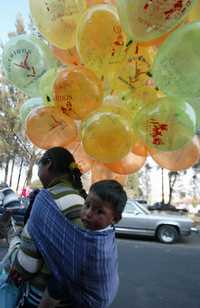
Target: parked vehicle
x=138, y=220
x=9, y=200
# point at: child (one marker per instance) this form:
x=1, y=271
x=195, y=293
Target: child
x=102, y=209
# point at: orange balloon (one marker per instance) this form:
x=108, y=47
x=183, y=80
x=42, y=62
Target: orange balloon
x=82, y=159
x=140, y=148
x=77, y=91
x=129, y=164
x=156, y=42
x=100, y=172
x=66, y=56
x=47, y=127
x=181, y=159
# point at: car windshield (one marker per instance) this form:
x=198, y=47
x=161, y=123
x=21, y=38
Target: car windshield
x=134, y=207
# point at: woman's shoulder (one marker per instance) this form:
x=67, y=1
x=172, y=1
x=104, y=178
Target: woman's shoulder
x=62, y=189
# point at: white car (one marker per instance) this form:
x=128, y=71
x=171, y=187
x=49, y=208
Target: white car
x=167, y=228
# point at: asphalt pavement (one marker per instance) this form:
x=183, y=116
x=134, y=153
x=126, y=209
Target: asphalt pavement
x=154, y=275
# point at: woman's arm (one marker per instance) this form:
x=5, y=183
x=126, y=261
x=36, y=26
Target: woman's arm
x=28, y=260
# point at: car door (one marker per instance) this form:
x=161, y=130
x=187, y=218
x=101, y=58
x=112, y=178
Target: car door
x=135, y=221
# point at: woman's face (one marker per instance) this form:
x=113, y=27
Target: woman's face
x=43, y=171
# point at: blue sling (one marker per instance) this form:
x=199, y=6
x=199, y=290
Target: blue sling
x=83, y=262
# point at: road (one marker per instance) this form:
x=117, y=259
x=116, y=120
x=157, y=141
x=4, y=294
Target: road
x=154, y=275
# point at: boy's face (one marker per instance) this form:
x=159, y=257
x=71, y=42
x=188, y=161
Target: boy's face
x=97, y=214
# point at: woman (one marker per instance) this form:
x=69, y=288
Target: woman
x=83, y=261
x=62, y=178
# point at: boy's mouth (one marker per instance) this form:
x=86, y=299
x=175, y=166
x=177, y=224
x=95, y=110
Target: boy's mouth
x=87, y=224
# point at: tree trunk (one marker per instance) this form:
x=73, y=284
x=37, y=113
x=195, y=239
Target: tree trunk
x=12, y=169
x=20, y=172
x=30, y=170
x=6, y=170
x=172, y=182
x=163, y=196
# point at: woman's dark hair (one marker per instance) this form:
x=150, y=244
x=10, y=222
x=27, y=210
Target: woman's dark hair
x=63, y=162
x=112, y=192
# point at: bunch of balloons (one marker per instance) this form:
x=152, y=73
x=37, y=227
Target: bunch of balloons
x=113, y=81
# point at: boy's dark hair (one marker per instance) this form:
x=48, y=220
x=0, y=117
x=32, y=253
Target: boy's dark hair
x=63, y=162
x=112, y=192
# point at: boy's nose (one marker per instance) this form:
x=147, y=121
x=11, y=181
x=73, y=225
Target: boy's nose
x=88, y=213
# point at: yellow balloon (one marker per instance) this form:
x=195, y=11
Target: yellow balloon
x=145, y=20
x=47, y=127
x=57, y=20
x=134, y=71
x=93, y=2
x=100, y=40
x=194, y=14
x=113, y=103
x=106, y=136
x=138, y=98
x=77, y=91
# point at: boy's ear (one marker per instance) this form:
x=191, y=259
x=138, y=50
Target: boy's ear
x=117, y=217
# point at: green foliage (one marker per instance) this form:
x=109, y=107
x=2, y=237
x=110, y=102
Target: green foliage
x=132, y=186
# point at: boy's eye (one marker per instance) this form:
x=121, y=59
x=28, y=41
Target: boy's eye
x=86, y=205
x=99, y=211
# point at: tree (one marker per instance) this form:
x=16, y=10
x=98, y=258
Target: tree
x=132, y=186
x=173, y=175
x=145, y=180
x=162, y=179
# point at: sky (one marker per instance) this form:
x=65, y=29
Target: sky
x=8, y=12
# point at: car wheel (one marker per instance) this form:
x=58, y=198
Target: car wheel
x=167, y=234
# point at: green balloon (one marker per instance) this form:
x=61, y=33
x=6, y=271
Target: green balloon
x=46, y=85
x=195, y=103
x=28, y=106
x=25, y=59
x=167, y=124
x=176, y=69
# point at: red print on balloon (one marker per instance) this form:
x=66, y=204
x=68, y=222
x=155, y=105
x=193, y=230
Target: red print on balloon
x=24, y=64
x=157, y=130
